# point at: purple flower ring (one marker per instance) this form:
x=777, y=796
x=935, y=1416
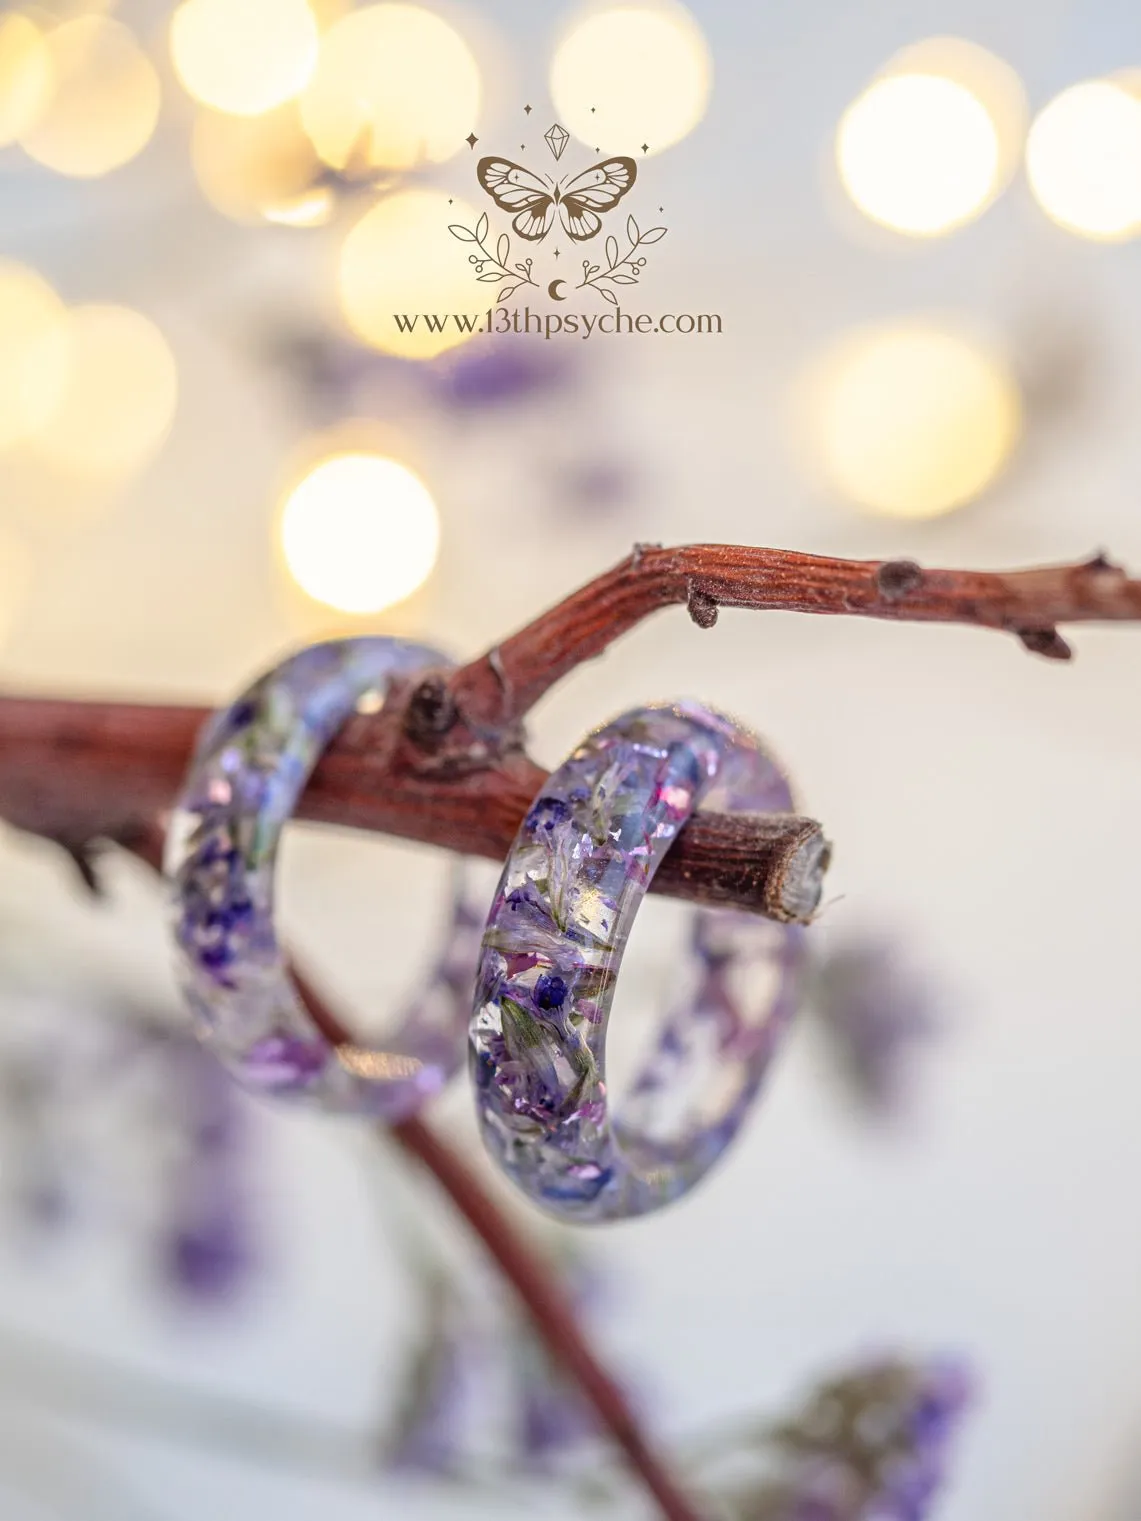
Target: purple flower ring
x=251, y=765
x=562, y=914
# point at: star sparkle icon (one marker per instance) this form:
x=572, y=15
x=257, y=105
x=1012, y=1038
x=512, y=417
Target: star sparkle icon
x=471, y=139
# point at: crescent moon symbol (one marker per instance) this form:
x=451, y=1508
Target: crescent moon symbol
x=553, y=292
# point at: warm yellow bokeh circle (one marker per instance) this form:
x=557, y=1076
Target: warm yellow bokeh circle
x=27, y=77
x=34, y=352
x=632, y=79
x=360, y=532
x=395, y=86
x=913, y=419
x=1083, y=159
x=119, y=400
x=260, y=168
x=400, y=259
x=918, y=153
x=105, y=104
x=244, y=56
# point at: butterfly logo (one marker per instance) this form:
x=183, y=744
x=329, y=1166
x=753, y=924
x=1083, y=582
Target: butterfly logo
x=536, y=199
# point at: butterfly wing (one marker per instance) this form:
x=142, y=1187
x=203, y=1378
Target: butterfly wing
x=521, y=191
x=594, y=190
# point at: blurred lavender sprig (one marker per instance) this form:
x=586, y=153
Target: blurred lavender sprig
x=109, y=1113
x=436, y=1421
x=872, y=1444
x=468, y=1360
x=206, y=1249
x=877, y=1012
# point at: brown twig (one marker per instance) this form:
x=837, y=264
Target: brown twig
x=537, y=1286
x=508, y=681
x=77, y=771
x=443, y=762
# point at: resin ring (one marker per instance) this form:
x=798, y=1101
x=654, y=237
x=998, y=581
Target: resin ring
x=251, y=766
x=577, y=872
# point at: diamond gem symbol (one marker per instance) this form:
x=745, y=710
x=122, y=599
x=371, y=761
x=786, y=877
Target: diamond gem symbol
x=557, y=138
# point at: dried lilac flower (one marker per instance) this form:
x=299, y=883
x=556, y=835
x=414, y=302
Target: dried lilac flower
x=876, y=1010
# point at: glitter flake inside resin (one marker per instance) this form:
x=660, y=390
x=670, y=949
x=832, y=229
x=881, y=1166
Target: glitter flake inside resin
x=578, y=870
x=251, y=766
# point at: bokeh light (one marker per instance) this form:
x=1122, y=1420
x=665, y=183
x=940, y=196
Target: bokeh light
x=395, y=86
x=629, y=76
x=400, y=257
x=1083, y=159
x=244, y=56
x=105, y=104
x=913, y=419
x=918, y=153
x=990, y=79
x=260, y=168
x=34, y=352
x=360, y=532
x=26, y=75
x=119, y=400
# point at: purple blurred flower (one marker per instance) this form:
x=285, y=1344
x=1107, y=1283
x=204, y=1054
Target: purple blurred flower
x=597, y=486
x=208, y=1257
x=205, y=1237
x=498, y=372
x=434, y=1424
x=875, y=1010
x=873, y=1444
x=552, y=1417
x=454, y=1376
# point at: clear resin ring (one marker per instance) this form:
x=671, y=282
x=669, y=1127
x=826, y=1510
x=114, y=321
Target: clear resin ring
x=251, y=766
x=577, y=873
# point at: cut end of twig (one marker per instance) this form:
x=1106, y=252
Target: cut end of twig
x=1046, y=642
x=796, y=885
x=895, y=578
x=701, y=608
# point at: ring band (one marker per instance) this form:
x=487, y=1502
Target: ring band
x=251, y=765
x=577, y=873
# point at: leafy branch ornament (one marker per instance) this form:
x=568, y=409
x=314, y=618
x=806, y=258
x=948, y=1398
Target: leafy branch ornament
x=494, y=268
x=626, y=270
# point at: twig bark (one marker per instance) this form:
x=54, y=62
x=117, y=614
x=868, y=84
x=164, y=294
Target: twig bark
x=79, y=771
x=537, y=1286
x=444, y=763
